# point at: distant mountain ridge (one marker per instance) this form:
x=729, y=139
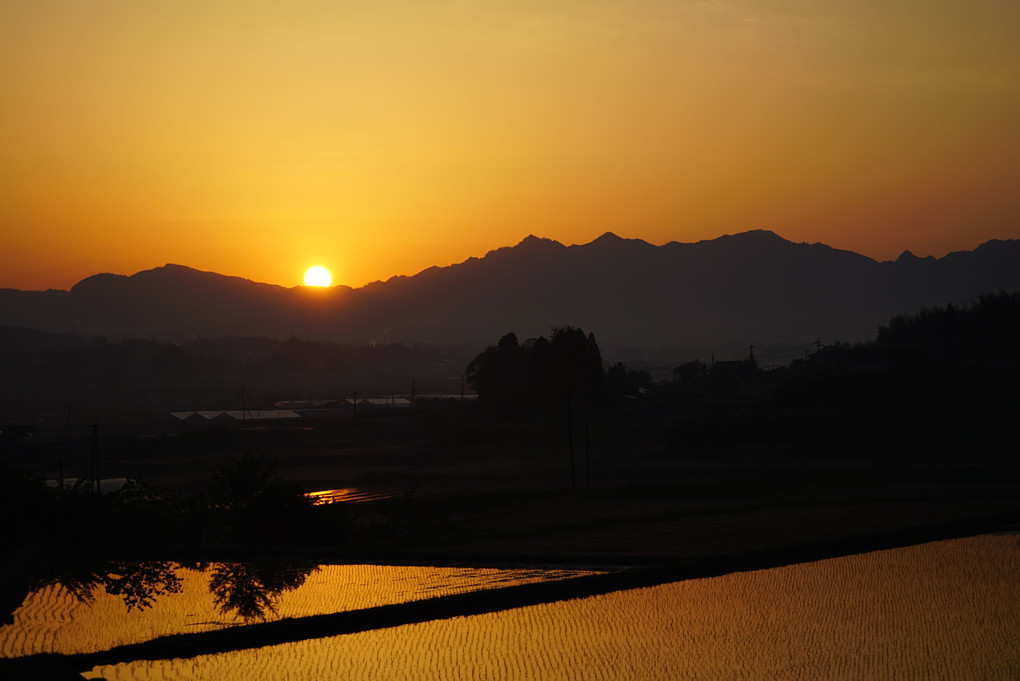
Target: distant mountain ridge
x=750, y=287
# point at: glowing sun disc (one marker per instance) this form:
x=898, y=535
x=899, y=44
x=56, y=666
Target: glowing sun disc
x=318, y=276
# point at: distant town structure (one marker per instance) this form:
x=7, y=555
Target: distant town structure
x=229, y=416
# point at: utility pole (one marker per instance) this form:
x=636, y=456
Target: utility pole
x=67, y=438
x=587, y=458
x=95, y=456
x=570, y=446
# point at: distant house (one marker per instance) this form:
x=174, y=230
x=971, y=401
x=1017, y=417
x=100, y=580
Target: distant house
x=444, y=398
x=307, y=404
x=390, y=402
x=231, y=416
x=190, y=417
x=403, y=401
x=106, y=485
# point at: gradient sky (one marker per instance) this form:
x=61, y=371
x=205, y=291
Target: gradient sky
x=257, y=138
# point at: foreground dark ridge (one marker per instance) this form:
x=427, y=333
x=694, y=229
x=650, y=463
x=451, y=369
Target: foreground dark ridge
x=496, y=600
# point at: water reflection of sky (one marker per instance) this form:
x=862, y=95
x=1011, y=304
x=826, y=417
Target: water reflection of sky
x=331, y=496
x=939, y=610
x=207, y=597
x=945, y=610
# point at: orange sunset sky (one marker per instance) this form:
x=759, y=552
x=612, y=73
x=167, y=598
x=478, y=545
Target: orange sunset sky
x=257, y=138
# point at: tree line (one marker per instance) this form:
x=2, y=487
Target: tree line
x=541, y=372
x=986, y=330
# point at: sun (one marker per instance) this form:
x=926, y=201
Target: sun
x=318, y=276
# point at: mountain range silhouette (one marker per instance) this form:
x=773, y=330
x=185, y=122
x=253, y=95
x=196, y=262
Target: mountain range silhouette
x=749, y=287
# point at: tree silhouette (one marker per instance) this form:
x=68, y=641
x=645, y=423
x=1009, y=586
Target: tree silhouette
x=622, y=381
x=540, y=371
x=501, y=374
x=246, y=590
x=988, y=330
x=137, y=583
x=240, y=481
x=570, y=363
x=252, y=503
x=250, y=590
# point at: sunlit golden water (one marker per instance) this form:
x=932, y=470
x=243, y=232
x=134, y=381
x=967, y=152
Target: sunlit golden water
x=944, y=610
x=51, y=620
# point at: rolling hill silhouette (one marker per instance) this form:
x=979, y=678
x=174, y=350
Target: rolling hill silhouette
x=748, y=287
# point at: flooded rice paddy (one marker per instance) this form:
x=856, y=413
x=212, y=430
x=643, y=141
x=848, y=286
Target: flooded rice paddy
x=946, y=610
x=218, y=595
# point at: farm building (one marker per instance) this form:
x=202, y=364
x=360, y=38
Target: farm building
x=231, y=416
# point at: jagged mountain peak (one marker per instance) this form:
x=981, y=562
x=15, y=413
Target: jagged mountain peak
x=752, y=286
x=613, y=240
x=532, y=242
x=529, y=245
x=609, y=238
x=908, y=258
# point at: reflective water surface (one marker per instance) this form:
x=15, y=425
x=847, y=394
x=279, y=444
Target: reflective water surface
x=88, y=607
x=945, y=610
